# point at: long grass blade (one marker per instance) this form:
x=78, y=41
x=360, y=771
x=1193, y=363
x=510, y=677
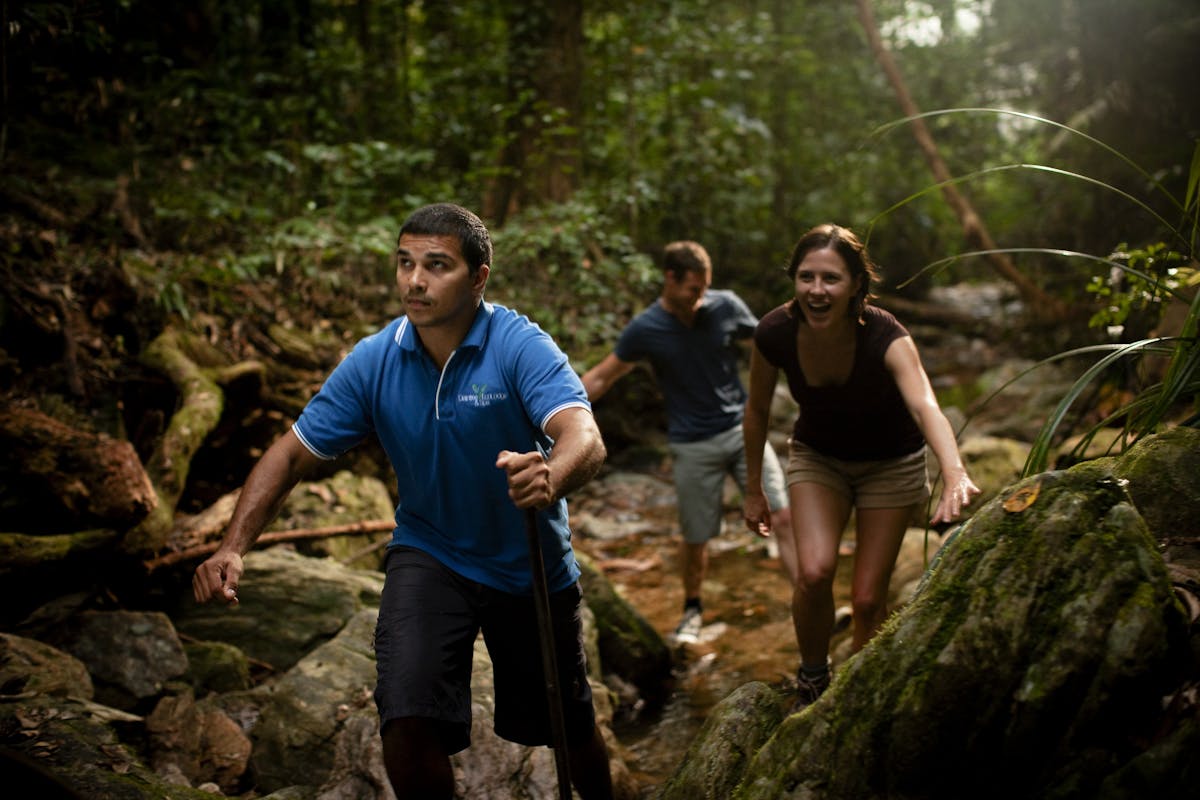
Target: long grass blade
x=1193, y=183
x=1180, y=380
x=1129, y=434
x=885, y=128
x=1191, y=201
x=1079, y=351
x=1037, y=167
x=944, y=263
x=1039, y=452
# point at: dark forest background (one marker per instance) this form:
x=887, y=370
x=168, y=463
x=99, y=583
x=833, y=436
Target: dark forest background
x=222, y=182
x=204, y=144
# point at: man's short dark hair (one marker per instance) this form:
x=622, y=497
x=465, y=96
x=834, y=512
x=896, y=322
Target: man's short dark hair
x=448, y=219
x=680, y=258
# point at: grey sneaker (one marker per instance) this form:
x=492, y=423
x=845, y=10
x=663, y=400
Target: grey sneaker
x=688, y=630
x=842, y=619
x=808, y=689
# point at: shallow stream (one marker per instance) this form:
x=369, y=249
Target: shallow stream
x=747, y=633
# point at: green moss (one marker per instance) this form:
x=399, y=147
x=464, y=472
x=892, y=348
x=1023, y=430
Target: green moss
x=24, y=550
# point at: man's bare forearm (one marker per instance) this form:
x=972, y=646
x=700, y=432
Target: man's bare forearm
x=265, y=490
x=578, y=452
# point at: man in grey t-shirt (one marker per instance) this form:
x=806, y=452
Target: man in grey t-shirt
x=689, y=335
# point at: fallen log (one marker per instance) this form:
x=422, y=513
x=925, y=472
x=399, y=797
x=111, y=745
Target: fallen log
x=21, y=550
x=98, y=479
x=934, y=313
x=273, y=537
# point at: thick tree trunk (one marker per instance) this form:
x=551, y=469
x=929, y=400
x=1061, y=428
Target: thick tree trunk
x=1041, y=305
x=542, y=159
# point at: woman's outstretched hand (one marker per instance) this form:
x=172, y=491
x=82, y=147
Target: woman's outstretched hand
x=957, y=492
x=757, y=514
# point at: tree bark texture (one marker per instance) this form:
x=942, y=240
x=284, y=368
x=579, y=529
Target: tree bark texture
x=97, y=478
x=541, y=161
x=201, y=402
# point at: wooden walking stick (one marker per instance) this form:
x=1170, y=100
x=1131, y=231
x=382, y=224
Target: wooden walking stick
x=541, y=602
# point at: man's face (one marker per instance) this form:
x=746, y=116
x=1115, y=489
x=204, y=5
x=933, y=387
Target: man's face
x=683, y=294
x=435, y=283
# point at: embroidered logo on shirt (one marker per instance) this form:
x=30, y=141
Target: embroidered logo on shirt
x=481, y=397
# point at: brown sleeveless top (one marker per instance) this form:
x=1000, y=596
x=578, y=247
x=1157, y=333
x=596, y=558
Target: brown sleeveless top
x=863, y=419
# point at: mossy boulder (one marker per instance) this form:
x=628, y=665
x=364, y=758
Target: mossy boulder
x=56, y=747
x=343, y=498
x=289, y=605
x=1163, y=475
x=216, y=667
x=629, y=645
x=733, y=732
x=30, y=666
x=1033, y=662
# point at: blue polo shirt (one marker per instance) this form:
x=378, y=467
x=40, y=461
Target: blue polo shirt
x=442, y=431
x=696, y=368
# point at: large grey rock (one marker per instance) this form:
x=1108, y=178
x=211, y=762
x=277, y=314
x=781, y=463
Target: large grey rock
x=130, y=655
x=317, y=727
x=294, y=721
x=289, y=604
x=495, y=769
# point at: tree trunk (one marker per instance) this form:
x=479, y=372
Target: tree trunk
x=778, y=114
x=20, y=551
x=542, y=159
x=1041, y=305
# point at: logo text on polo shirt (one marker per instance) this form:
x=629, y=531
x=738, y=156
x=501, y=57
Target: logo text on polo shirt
x=481, y=397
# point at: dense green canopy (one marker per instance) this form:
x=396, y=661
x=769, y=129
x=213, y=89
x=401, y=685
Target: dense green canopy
x=280, y=135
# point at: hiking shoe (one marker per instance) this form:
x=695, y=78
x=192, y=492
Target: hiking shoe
x=808, y=689
x=688, y=630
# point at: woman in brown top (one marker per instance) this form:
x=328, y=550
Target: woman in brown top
x=867, y=412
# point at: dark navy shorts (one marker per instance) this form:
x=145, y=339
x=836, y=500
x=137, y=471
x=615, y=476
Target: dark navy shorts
x=429, y=618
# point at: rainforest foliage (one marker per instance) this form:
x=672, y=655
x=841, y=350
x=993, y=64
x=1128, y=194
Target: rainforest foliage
x=230, y=159
x=291, y=135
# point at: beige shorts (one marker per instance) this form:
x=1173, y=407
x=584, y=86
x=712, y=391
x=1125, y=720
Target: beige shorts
x=890, y=483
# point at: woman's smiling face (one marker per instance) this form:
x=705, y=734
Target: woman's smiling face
x=824, y=287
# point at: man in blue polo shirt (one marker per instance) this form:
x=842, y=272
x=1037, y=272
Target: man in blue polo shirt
x=481, y=417
x=689, y=335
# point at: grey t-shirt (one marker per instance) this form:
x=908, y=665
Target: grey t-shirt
x=697, y=367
